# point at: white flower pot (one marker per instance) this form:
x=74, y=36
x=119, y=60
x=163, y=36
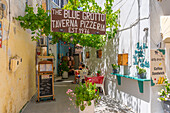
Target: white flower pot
x=65, y=74
x=166, y=106
x=88, y=109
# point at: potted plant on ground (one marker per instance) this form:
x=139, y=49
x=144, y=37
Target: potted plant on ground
x=98, y=73
x=141, y=72
x=64, y=69
x=84, y=96
x=115, y=68
x=165, y=95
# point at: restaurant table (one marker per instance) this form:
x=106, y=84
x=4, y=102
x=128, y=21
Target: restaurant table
x=95, y=79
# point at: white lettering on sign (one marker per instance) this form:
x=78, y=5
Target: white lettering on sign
x=71, y=14
x=56, y=12
x=77, y=21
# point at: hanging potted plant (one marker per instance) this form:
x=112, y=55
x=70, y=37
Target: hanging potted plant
x=141, y=72
x=64, y=69
x=115, y=68
x=165, y=95
x=98, y=73
x=84, y=96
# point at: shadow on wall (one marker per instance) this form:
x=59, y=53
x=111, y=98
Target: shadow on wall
x=128, y=95
x=109, y=56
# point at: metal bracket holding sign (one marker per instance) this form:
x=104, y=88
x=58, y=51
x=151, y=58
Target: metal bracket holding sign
x=70, y=21
x=157, y=67
x=1, y=34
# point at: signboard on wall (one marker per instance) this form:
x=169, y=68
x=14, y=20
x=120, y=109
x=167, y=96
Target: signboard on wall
x=0, y=34
x=157, y=66
x=70, y=21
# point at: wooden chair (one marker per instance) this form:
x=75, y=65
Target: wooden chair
x=102, y=85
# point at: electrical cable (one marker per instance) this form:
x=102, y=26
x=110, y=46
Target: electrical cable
x=8, y=34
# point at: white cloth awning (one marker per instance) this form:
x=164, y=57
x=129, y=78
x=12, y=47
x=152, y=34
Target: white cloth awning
x=165, y=28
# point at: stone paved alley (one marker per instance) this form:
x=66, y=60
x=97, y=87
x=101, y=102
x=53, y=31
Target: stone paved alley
x=62, y=103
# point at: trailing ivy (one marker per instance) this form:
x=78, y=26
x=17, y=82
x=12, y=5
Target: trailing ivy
x=39, y=23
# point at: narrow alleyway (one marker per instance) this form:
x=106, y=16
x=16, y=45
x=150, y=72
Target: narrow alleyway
x=60, y=105
x=63, y=105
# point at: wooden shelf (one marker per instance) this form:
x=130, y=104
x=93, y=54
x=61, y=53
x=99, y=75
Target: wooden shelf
x=48, y=57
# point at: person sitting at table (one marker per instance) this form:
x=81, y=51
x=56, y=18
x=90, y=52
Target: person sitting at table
x=80, y=66
x=83, y=70
x=77, y=73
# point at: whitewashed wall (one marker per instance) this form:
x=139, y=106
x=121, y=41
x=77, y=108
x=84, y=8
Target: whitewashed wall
x=135, y=16
x=158, y=9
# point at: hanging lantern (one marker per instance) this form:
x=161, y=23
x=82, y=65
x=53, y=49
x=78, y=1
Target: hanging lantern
x=71, y=38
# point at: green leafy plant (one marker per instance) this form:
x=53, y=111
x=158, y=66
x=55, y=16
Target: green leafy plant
x=83, y=92
x=39, y=23
x=86, y=67
x=64, y=67
x=165, y=92
x=140, y=70
x=98, y=72
x=115, y=66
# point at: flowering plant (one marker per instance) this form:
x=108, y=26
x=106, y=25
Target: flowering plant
x=83, y=92
x=115, y=66
x=165, y=93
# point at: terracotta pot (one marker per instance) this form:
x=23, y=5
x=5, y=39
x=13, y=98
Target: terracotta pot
x=88, y=109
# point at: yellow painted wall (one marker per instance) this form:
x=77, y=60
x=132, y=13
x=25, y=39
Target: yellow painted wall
x=16, y=88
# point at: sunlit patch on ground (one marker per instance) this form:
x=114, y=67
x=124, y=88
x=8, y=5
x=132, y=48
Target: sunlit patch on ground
x=110, y=105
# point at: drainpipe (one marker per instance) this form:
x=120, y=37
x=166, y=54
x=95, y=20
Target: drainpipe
x=47, y=7
x=47, y=46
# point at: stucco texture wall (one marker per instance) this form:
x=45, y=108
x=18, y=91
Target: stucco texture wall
x=16, y=88
x=134, y=18
x=158, y=9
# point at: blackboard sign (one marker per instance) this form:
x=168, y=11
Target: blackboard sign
x=70, y=21
x=45, y=85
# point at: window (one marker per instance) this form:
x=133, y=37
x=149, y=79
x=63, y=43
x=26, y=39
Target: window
x=56, y=1
x=62, y=3
x=27, y=2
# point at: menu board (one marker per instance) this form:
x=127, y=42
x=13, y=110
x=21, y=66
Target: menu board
x=157, y=66
x=45, y=85
x=46, y=67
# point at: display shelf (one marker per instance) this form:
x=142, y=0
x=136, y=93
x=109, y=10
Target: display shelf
x=140, y=81
x=45, y=57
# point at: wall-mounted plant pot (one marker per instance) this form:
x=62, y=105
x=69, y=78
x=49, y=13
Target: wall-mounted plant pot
x=142, y=76
x=99, y=53
x=87, y=54
x=115, y=71
x=166, y=106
